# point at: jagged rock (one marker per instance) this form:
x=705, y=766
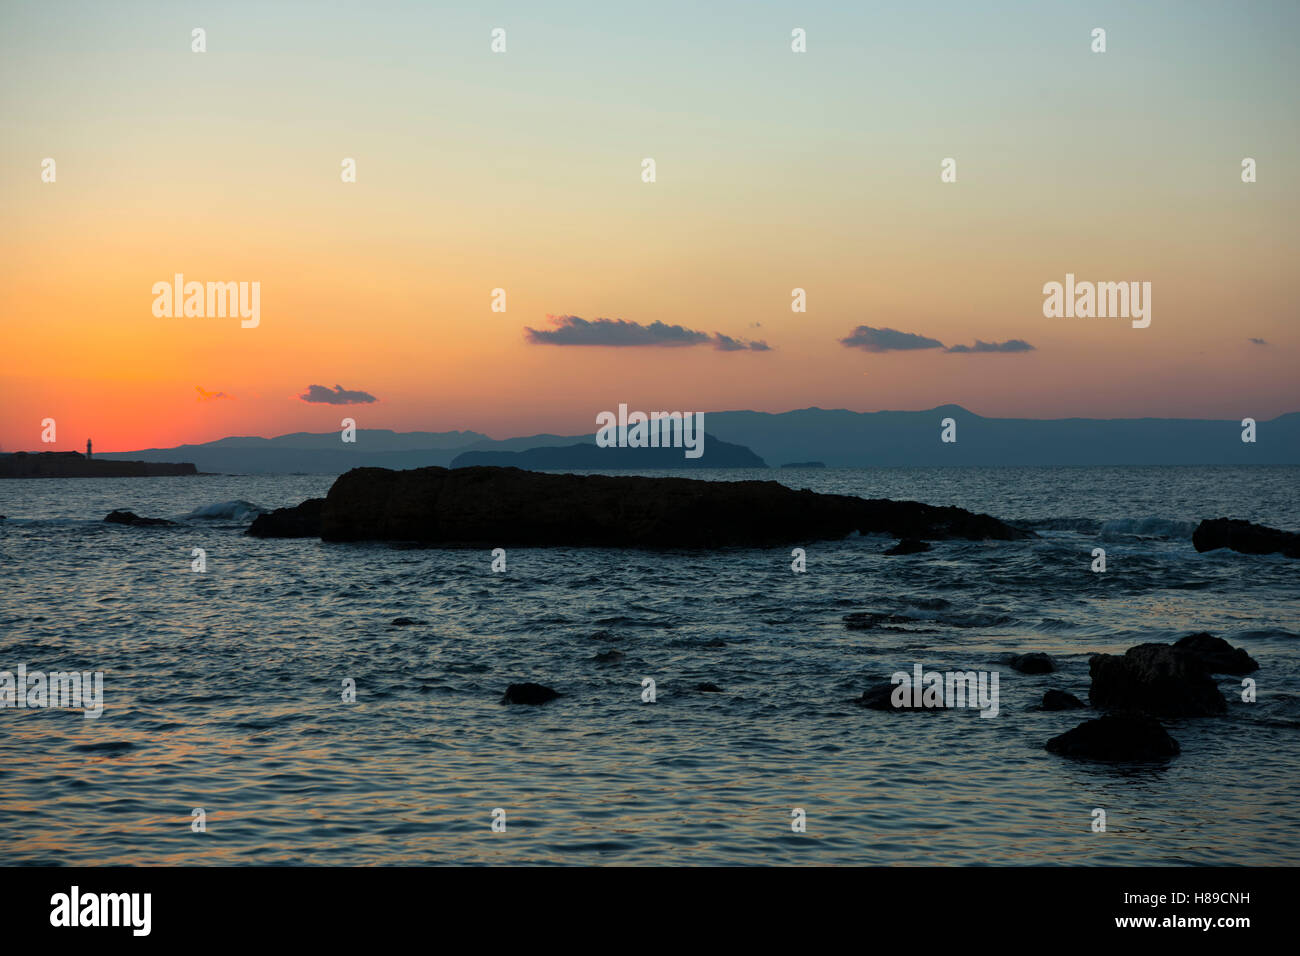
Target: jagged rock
x=529, y=694
x=503, y=507
x=1060, y=700
x=299, y=521
x=1154, y=679
x=909, y=546
x=1034, y=663
x=131, y=518
x=1116, y=737
x=1238, y=535
x=1216, y=655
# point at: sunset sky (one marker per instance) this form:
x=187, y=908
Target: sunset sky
x=522, y=171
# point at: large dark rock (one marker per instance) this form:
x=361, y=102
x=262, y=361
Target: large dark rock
x=1116, y=737
x=131, y=518
x=909, y=546
x=1154, y=679
x=504, y=507
x=1216, y=655
x=1245, y=537
x=1034, y=663
x=529, y=693
x=1060, y=700
x=299, y=521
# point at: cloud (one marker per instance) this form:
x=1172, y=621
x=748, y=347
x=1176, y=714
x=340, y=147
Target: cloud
x=1010, y=345
x=573, y=330
x=206, y=396
x=1259, y=341
x=888, y=340
x=891, y=340
x=319, y=394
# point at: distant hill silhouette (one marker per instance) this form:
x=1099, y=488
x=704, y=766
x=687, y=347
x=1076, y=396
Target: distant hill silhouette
x=837, y=437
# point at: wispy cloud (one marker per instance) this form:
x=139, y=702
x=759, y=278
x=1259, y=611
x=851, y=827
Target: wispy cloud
x=206, y=396
x=339, y=395
x=871, y=339
x=620, y=333
x=1258, y=341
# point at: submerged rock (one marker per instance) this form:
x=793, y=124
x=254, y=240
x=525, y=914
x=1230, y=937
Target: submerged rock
x=909, y=546
x=707, y=688
x=504, y=507
x=1116, y=737
x=131, y=518
x=1242, y=536
x=1034, y=663
x=529, y=693
x=881, y=697
x=299, y=521
x=1060, y=700
x=1154, y=679
x=1216, y=655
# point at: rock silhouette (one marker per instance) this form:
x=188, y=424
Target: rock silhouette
x=1216, y=655
x=131, y=518
x=299, y=521
x=504, y=507
x=909, y=546
x=1060, y=700
x=1034, y=663
x=1118, y=737
x=1154, y=679
x=529, y=693
x=1242, y=536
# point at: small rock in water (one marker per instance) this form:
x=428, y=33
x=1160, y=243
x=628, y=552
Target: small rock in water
x=880, y=697
x=131, y=518
x=1060, y=700
x=609, y=657
x=1216, y=654
x=1035, y=663
x=529, y=693
x=909, y=546
x=707, y=688
x=1116, y=737
x=403, y=622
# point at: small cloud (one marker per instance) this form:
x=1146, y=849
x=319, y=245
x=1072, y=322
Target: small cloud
x=1010, y=345
x=319, y=394
x=887, y=340
x=1258, y=341
x=206, y=396
x=620, y=333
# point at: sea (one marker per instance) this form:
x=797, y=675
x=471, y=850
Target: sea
x=229, y=734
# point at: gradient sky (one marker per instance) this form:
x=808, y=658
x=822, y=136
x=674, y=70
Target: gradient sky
x=522, y=171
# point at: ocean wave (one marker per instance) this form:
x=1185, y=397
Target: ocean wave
x=1150, y=526
x=236, y=510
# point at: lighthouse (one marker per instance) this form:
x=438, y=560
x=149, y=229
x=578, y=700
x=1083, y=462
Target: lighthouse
x=87, y=447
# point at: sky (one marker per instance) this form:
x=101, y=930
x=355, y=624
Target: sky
x=522, y=171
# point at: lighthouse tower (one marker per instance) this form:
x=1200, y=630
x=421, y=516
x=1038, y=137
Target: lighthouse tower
x=87, y=447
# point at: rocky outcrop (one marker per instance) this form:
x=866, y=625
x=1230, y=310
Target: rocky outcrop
x=299, y=521
x=1245, y=537
x=1060, y=700
x=1034, y=663
x=1118, y=737
x=529, y=693
x=881, y=697
x=131, y=518
x=909, y=546
x=73, y=464
x=1154, y=679
x=500, y=507
x=1216, y=655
